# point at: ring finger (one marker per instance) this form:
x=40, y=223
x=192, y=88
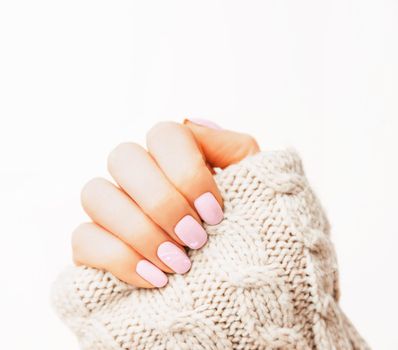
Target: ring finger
x=140, y=177
x=111, y=208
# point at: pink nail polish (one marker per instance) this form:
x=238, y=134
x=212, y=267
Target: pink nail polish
x=205, y=122
x=151, y=273
x=209, y=209
x=174, y=257
x=191, y=232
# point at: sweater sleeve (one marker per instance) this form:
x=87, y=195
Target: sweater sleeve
x=267, y=278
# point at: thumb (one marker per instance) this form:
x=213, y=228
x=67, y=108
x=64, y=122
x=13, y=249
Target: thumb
x=221, y=147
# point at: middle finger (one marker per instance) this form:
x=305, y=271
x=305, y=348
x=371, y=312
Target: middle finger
x=138, y=174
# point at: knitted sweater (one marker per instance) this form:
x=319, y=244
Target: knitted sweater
x=266, y=279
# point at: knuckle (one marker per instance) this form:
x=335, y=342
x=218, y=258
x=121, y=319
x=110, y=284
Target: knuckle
x=157, y=205
x=191, y=176
x=250, y=144
x=117, y=257
x=76, y=240
x=117, y=155
x=160, y=128
x=162, y=203
x=90, y=188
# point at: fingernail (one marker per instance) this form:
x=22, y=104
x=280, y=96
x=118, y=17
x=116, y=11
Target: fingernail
x=191, y=232
x=151, y=273
x=205, y=122
x=174, y=257
x=209, y=209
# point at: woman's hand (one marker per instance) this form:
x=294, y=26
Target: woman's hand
x=139, y=229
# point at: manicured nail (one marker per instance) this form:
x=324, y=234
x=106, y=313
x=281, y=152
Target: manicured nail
x=209, y=209
x=191, y=232
x=151, y=273
x=205, y=122
x=174, y=257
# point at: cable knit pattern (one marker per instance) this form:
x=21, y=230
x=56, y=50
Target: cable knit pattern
x=266, y=279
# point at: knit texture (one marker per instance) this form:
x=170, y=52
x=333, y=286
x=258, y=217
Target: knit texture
x=266, y=279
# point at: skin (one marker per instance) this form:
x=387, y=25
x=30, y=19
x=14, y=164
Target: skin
x=155, y=188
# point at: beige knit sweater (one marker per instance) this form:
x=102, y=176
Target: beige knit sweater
x=267, y=278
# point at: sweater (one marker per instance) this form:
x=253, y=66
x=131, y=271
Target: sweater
x=266, y=279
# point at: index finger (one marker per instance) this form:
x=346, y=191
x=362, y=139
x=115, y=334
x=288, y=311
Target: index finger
x=174, y=148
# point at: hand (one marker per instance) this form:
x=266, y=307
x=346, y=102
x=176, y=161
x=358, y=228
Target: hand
x=140, y=229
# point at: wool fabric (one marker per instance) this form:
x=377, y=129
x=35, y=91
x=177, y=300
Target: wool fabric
x=266, y=279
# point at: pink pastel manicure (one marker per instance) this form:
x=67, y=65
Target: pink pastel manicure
x=191, y=232
x=205, y=122
x=174, y=257
x=151, y=273
x=209, y=209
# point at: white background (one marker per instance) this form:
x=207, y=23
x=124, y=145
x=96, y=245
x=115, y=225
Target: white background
x=78, y=77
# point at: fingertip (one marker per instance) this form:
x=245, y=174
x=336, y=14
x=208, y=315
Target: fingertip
x=191, y=232
x=209, y=209
x=174, y=257
x=151, y=273
x=202, y=122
